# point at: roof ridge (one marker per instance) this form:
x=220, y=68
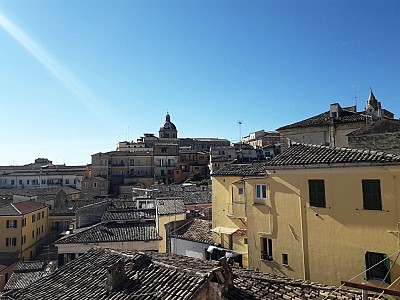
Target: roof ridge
x=12, y=204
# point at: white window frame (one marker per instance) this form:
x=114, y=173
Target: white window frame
x=261, y=191
x=12, y=223
x=11, y=241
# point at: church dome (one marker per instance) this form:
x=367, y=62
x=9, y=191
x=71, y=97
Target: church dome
x=168, y=124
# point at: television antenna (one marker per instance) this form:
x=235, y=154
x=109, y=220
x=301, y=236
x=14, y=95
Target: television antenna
x=240, y=122
x=355, y=95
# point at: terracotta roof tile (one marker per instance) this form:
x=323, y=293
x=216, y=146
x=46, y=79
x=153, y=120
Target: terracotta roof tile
x=27, y=272
x=382, y=126
x=195, y=230
x=241, y=170
x=162, y=276
x=129, y=215
x=303, y=154
x=113, y=232
x=20, y=208
x=170, y=206
x=28, y=206
x=324, y=119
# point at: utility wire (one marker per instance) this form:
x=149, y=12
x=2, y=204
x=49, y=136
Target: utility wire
x=342, y=285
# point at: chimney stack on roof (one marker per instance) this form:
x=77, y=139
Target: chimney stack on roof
x=115, y=276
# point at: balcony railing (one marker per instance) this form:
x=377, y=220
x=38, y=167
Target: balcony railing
x=266, y=256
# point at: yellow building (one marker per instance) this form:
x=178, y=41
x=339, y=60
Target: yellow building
x=168, y=210
x=320, y=213
x=229, y=220
x=23, y=225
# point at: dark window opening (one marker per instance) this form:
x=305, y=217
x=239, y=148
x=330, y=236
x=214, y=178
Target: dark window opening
x=316, y=188
x=266, y=252
x=372, y=194
x=377, y=266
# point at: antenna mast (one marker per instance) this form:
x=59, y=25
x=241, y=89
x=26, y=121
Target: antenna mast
x=355, y=95
x=240, y=122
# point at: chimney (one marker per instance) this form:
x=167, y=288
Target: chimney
x=224, y=276
x=115, y=276
x=335, y=110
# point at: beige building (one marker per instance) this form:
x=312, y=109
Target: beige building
x=333, y=126
x=321, y=214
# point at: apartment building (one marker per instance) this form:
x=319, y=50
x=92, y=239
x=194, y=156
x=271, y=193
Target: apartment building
x=24, y=226
x=41, y=174
x=316, y=213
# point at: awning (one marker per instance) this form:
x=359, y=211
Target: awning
x=226, y=230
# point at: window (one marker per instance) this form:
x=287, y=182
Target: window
x=241, y=191
x=38, y=216
x=261, y=191
x=163, y=150
x=94, y=185
x=23, y=222
x=12, y=181
x=377, y=266
x=372, y=194
x=23, y=240
x=285, y=259
x=266, y=249
x=11, y=224
x=43, y=181
x=245, y=241
x=33, y=233
x=85, y=185
x=20, y=182
x=27, y=182
x=67, y=181
x=11, y=242
x=33, y=218
x=316, y=189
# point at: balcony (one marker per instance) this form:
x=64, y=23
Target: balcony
x=237, y=209
x=118, y=164
x=266, y=256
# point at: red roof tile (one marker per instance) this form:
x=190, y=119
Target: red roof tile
x=26, y=207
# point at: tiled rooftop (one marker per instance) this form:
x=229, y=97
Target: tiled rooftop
x=241, y=170
x=73, y=205
x=129, y=215
x=20, y=208
x=191, y=194
x=195, y=230
x=113, y=232
x=303, y=154
x=85, y=278
x=27, y=272
x=254, y=285
x=170, y=206
x=382, y=126
x=161, y=276
x=323, y=120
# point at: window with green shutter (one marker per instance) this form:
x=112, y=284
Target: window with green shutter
x=377, y=266
x=316, y=189
x=372, y=194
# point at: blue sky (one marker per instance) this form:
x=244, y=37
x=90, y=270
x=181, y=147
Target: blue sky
x=79, y=76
